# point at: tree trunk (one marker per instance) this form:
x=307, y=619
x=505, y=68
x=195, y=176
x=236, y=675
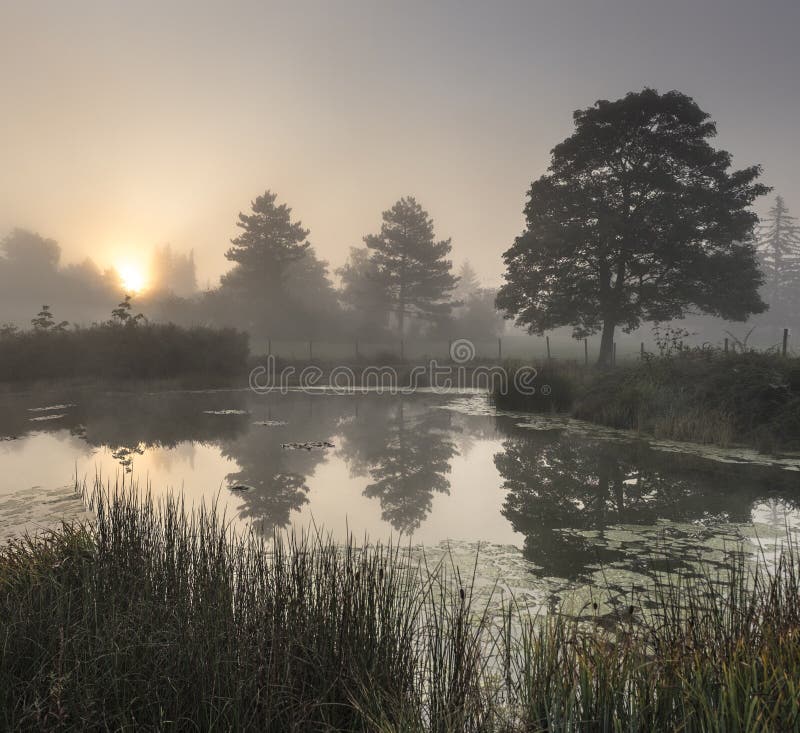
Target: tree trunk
x=606, y=344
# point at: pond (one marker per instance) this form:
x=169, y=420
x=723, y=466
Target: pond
x=547, y=505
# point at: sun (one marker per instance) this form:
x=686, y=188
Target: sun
x=131, y=277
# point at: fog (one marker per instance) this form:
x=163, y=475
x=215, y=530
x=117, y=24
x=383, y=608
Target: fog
x=134, y=135
x=130, y=125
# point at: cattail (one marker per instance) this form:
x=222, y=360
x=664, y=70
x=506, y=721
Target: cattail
x=462, y=594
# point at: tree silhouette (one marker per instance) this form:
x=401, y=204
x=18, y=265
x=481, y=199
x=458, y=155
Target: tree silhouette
x=277, y=287
x=269, y=242
x=468, y=284
x=638, y=218
x=44, y=321
x=122, y=315
x=411, y=265
x=779, y=247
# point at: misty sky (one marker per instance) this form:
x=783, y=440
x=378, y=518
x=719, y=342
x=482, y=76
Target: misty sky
x=126, y=125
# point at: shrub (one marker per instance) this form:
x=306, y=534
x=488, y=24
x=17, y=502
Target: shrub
x=704, y=396
x=143, y=351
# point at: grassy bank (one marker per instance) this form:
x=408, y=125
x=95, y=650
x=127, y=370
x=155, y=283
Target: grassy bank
x=153, y=617
x=122, y=352
x=704, y=396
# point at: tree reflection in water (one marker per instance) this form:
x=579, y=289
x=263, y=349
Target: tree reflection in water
x=405, y=449
x=577, y=501
x=278, y=475
x=564, y=492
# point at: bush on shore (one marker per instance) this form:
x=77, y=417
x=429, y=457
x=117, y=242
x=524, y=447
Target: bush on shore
x=702, y=395
x=129, y=351
x=154, y=617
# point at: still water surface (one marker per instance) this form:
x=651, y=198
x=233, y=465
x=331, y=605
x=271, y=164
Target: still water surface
x=548, y=505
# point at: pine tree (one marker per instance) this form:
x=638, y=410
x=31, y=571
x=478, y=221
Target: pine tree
x=411, y=265
x=270, y=241
x=779, y=250
x=468, y=284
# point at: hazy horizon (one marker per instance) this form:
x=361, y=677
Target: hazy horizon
x=135, y=125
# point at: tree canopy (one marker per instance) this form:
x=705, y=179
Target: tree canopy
x=269, y=242
x=277, y=286
x=638, y=219
x=411, y=265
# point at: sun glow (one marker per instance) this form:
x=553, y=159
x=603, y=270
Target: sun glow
x=132, y=277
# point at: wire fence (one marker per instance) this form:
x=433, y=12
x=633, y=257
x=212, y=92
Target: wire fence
x=533, y=348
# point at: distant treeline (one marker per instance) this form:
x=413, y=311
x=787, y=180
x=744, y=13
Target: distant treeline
x=400, y=280
x=126, y=347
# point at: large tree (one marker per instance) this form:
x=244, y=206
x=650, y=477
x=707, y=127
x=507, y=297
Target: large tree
x=638, y=219
x=411, y=265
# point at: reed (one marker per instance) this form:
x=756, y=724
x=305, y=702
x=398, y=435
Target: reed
x=154, y=616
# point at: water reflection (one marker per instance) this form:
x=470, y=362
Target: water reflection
x=407, y=451
x=571, y=502
x=563, y=493
x=278, y=475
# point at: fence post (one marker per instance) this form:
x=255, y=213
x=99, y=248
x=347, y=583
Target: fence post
x=785, y=341
x=269, y=347
x=499, y=349
x=726, y=344
x=357, y=354
x=547, y=339
x=310, y=351
x=402, y=350
x=586, y=351
x=641, y=351
x=614, y=355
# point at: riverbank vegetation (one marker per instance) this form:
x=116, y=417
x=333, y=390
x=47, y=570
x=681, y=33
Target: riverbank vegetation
x=153, y=616
x=123, y=348
x=699, y=395
x=702, y=396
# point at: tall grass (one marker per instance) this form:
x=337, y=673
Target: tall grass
x=704, y=396
x=701, y=395
x=157, y=617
